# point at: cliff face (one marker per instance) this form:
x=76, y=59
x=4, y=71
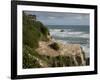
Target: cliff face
x=39, y=50
x=68, y=55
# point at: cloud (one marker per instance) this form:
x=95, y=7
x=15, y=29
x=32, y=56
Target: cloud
x=61, y=18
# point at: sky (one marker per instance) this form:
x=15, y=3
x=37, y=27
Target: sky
x=60, y=18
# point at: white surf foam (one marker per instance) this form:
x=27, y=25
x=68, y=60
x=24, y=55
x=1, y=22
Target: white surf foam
x=67, y=33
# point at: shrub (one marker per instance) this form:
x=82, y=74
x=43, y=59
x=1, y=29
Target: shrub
x=43, y=30
x=54, y=46
x=29, y=58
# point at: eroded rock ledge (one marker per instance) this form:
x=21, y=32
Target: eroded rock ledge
x=71, y=54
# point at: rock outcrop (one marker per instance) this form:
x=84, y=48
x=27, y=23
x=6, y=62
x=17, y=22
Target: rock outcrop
x=71, y=51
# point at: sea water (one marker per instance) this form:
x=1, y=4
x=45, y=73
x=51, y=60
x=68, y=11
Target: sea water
x=71, y=34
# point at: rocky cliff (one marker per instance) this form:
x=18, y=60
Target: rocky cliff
x=40, y=50
x=66, y=55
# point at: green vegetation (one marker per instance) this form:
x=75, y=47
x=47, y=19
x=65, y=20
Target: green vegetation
x=33, y=31
x=54, y=46
x=30, y=58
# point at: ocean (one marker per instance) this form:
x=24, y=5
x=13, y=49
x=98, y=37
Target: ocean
x=71, y=34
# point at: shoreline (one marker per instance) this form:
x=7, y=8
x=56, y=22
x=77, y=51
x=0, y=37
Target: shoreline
x=70, y=35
